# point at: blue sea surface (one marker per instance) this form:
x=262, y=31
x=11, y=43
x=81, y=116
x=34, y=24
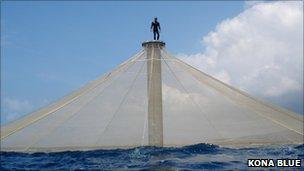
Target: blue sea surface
x=194, y=157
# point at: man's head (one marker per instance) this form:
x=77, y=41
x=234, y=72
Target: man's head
x=155, y=19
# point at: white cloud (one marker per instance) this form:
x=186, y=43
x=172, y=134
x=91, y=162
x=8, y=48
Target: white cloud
x=176, y=97
x=249, y=4
x=260, y=50
x=17, y=105
x=12, y=109
x=223, y=76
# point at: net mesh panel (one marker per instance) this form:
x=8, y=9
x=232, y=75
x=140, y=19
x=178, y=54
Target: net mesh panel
x=230, y=118
x=113, y=112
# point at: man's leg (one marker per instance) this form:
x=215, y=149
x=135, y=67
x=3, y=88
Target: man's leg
x=154, y=35
x=157, y=35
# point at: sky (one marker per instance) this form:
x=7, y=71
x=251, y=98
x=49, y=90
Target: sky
x=49, y=49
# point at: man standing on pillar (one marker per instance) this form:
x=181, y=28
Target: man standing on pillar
x=156, y=28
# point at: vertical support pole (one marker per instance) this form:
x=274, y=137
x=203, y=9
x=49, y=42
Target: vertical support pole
x=155, y=113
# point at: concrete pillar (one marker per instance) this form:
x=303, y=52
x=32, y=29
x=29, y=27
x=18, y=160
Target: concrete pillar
x=155, y=110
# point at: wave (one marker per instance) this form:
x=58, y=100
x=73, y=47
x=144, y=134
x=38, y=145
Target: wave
x=193, y=157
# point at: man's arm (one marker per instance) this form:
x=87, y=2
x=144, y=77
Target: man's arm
x=159, y=27
x=151, y=26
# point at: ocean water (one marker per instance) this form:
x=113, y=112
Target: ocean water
x=194, y=157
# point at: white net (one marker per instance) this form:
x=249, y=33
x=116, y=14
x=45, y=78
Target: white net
x=122, y=109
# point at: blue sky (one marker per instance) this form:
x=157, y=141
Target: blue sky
x=49, y=49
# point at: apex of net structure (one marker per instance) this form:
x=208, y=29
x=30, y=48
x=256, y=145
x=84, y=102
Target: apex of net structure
x=153, y=99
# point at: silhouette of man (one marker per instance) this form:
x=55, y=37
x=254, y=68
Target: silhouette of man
x=156, y=28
